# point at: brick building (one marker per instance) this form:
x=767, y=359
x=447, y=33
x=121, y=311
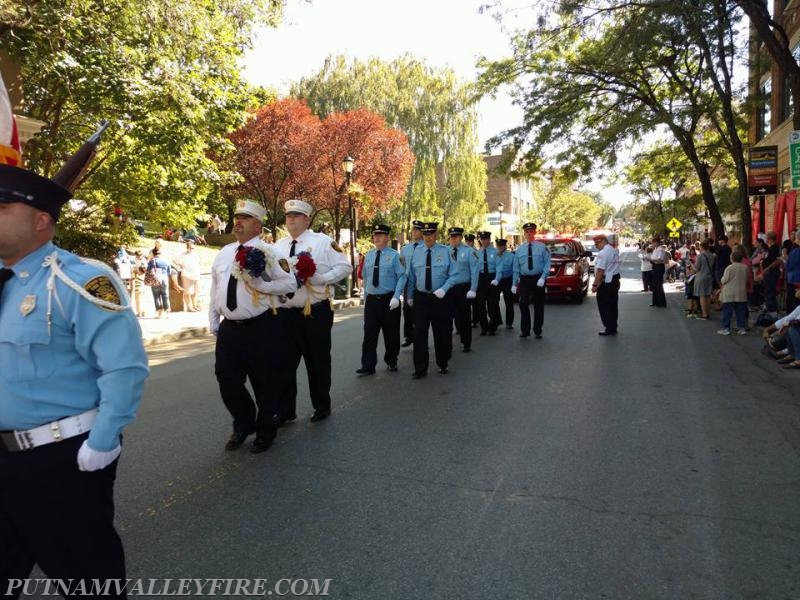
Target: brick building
x=26, y=126
x=513, y=194
x=771, y=118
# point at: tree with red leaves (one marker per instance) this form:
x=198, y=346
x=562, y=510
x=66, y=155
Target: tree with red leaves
x=278, y=156
x=383, y=164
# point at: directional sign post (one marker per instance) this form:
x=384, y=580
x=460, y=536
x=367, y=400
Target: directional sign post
x=762, y=174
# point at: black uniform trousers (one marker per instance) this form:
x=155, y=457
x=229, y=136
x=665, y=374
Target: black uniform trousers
x=488, y=301
x=457, y=296
x=245, y=350
x=504, y=288
x=657, y=285
x=408, y=319
x=646, y=280
x=431, y=312
x=58, y=517
x=529, y=293
x=308, y=338
x=608, y=303
x=378, y=318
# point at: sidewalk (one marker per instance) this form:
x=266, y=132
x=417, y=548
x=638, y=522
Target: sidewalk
x=182, y=325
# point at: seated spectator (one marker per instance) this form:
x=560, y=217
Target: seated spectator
x=789, y=328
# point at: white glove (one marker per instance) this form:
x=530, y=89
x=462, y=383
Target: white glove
x=513, y=289
x=317, y=279
x=394, y=303
x=471, y=295
x=439, y=293
x=540, y=283
x=410, y=302
x=494, y=282
x=94, y=460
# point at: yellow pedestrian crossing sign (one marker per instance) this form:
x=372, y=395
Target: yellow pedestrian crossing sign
x=673, y=225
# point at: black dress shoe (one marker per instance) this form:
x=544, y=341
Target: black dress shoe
x=606, y=333
x=652, y=305
x=281, y=420
x=483, y=332
x=237, y=439
x=524, y=335
x=407, y=343
x=320, y=415
x=261, y=444
x=538, y=336
x=363, y=371
x=393, y=368
x=443, y=370
x=467, y=349
x=509, y=327
x=419, y=374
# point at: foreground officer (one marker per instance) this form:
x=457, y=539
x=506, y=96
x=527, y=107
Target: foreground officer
x=469, y=239
x=384, y=280
x=606, y=284
x=309, y=336
x=430, y=275
x=531, y=266
x=73, y=370
x=408, y=310
x=504, y=279
x=249, y=332
x=488, y=299
x=466, y=268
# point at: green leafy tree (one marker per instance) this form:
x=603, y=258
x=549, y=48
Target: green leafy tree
x=559, y=208
x=594, y=77
x=165, y=74
x=437, y=112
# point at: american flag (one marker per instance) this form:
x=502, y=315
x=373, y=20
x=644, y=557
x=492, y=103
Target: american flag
x=9, y=138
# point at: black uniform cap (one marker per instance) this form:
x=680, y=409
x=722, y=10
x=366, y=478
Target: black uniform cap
x=381, y=229
x=485, y=235
x=429, y=227
x=527, y=226
x=26, y=187
x=456, y=231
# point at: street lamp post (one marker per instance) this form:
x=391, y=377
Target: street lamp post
x=348, y=164
x=500, y=210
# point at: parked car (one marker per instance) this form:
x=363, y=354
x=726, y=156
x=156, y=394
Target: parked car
x=592, y=248
x=569, y=269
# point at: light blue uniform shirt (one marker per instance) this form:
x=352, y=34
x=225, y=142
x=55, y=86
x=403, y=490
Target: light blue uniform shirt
x=541, y=260
x=391, y=272
x=91, y=357
x=505, y=265
x=443, y=273
x=490, y=256
x=406, y=252
x=466, y=265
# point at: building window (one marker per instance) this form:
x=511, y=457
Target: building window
x=764, y=125
x=787, y=105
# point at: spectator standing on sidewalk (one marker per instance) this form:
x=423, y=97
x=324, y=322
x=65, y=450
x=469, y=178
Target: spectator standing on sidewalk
x=139, y=267
x=704, y=279
x=658, y=258
x=733, y=294
x=771, y=271
x=189, y=265
x=647, y=268
x=723, y=254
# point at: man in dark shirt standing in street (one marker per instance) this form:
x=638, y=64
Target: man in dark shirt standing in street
x=723, y=252
x=771, y=266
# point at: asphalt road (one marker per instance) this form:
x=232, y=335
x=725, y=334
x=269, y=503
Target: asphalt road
x=662, y=463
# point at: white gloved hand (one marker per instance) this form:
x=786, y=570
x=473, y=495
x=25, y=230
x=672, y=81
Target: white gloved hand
x=513, y=289
x=394, y=303
x=471, y=295
x=317, y=279
x=540, y=283
x=410, y=302
x=495, y=282
x=94, y=460
x=439, y=293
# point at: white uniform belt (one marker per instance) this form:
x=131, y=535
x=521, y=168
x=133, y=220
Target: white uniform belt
x=15, y=441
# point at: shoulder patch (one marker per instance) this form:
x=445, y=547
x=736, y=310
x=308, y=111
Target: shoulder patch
x=101, y=287
x=336, y=246
x=284, y=264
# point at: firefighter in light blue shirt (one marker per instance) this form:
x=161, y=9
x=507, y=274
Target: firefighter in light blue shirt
x=531, y=267
x=408, y=310
x=504, y=279
x=431, y=273
x=466, y=266
x=72, y=375
x=384, y=277
x=488, y=300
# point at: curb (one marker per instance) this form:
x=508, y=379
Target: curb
x=195, y=332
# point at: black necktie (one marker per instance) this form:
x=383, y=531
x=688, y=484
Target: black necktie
x=455, y=254
x=376, y=275
x=294, y=244
x=485, y=261
x=5, y=275
x=230, y=301
x=530, y=257
x=428, y=274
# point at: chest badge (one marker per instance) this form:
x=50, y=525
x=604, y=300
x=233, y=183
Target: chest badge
x=27, y=306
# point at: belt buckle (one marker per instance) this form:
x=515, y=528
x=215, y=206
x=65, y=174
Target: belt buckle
x=55, y=431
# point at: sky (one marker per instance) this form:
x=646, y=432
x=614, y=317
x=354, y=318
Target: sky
x=443, y=33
